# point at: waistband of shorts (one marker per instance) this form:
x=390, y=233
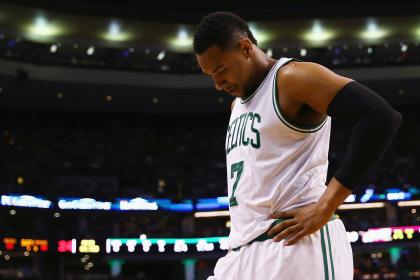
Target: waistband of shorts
x=266, y=236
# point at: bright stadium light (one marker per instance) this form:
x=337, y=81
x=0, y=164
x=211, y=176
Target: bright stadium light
x=373, y=31
x=90, y=50
x=361, y=206
x=182, y=40
x=20, y=180
x=115, y=32
x=409, y=203
x=318, y=33
x=161, y=55
x=53, y=48
x=367, y=195
x=211, y=214
x=182, y=34
x=114, y=28
x=41, y=27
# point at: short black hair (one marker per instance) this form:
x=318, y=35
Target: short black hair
x=222, y=29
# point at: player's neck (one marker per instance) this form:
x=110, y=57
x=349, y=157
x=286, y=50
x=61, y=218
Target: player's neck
x=263, y=65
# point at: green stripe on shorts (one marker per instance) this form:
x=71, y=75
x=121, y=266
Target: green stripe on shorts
x=324, y=254
x=331, y=258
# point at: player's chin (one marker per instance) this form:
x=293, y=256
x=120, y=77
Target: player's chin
x=232, y=94
x=236, y=93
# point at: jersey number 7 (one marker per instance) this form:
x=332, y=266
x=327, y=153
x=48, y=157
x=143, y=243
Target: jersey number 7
x=238, y=168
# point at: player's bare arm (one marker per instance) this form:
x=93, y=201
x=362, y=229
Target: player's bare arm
x=309, y=84
x=306, y=83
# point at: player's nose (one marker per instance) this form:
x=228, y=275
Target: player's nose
x=218, y=83
x=218, y=86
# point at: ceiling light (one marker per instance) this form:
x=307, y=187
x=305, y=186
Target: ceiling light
x=373, y=31
x=318, y=33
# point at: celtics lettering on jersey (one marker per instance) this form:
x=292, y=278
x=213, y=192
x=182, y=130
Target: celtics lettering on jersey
x=242, y=131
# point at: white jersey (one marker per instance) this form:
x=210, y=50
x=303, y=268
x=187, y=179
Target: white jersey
x=272, y=165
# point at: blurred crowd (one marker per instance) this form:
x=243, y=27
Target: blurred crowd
x=104, y=155
x=145, y=59
x=379, y=265
x=108, y=156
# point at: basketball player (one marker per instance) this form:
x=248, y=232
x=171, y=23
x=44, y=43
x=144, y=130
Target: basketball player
x=282, y=213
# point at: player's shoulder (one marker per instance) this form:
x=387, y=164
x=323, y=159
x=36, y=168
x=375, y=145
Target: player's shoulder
x=308, y=82
x=298, y=76
x=294, y=69
x=290, y=76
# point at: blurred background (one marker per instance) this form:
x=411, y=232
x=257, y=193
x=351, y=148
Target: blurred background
x=112, y=162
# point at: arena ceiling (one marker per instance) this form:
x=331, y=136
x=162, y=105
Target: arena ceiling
x=128, y=24
x=190, y=11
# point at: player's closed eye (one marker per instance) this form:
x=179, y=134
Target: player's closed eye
x=222, y=70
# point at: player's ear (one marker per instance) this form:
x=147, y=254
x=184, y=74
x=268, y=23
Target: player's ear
x=246, y=46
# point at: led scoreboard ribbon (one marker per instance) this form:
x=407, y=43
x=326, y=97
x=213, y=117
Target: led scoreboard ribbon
x=177, y=245
x=188, y=205
x=150, y=246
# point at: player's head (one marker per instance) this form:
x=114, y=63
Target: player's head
x=224, y=46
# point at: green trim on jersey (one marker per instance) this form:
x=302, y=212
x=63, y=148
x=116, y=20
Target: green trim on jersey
x=245, y=100
x=331, y=258
x=276, y=104
x=324, y=254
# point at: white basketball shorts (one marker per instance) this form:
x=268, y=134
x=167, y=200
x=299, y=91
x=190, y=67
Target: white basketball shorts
x=323, y=255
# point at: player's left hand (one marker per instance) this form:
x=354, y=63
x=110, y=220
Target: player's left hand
x=301, y=222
